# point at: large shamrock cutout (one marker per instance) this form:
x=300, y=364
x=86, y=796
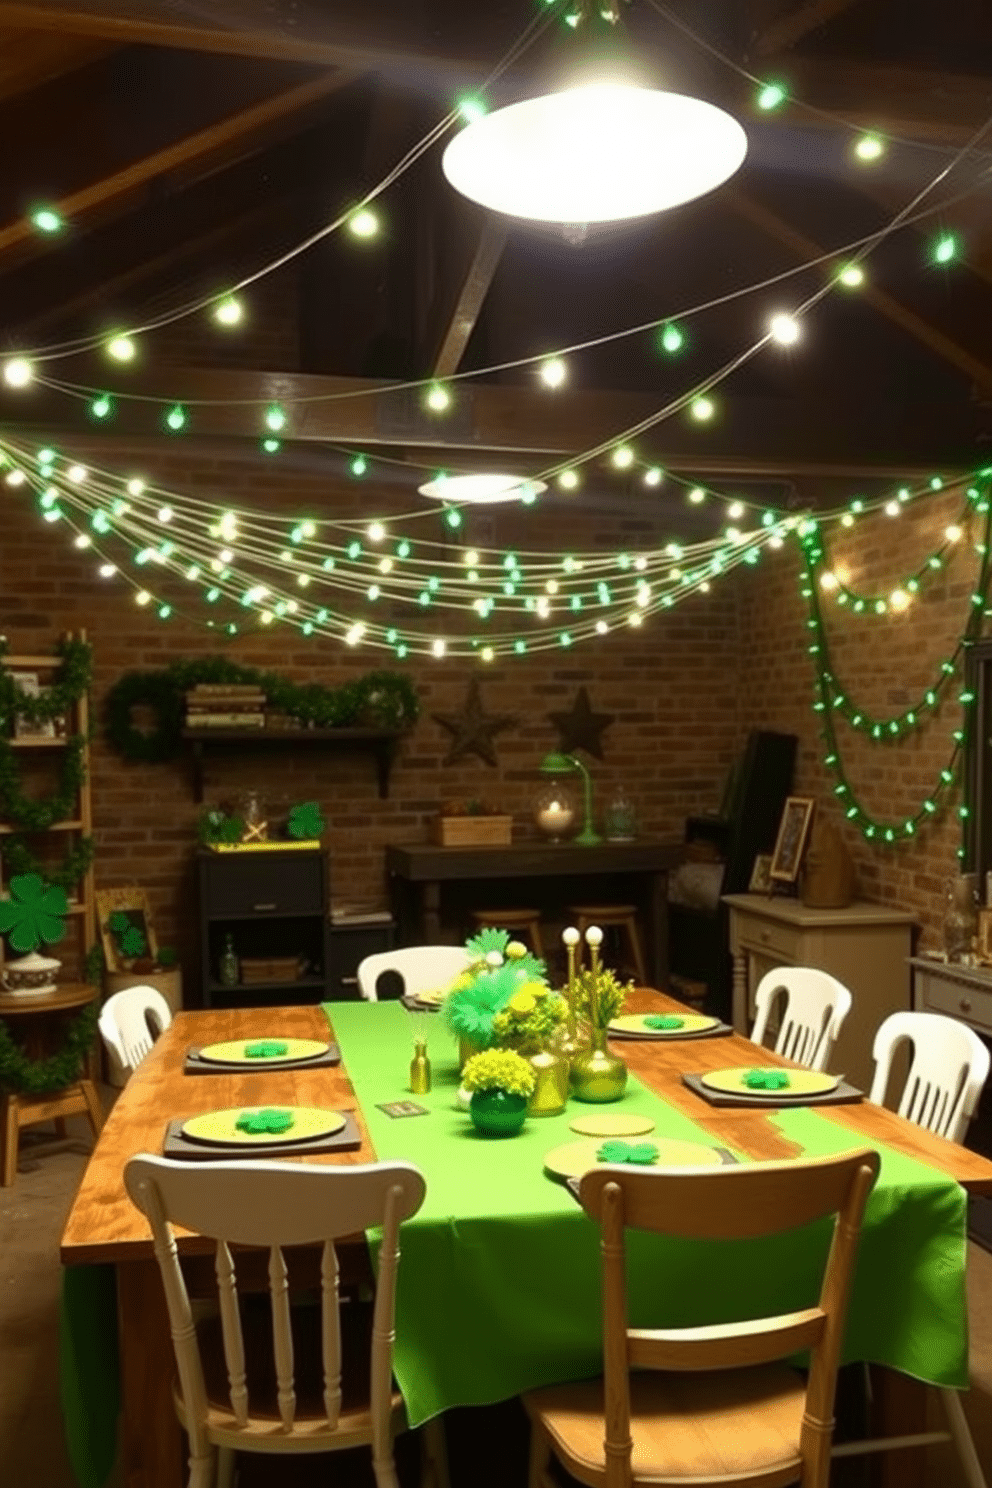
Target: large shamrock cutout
x=256, y=1122
x=33, y=913
x=641, y=1153
x=266, y=1049
x=664, y=1021
x=306, y=820
x=130, y=941
x=766, y=1079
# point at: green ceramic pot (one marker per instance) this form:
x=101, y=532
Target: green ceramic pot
x=496, y=1113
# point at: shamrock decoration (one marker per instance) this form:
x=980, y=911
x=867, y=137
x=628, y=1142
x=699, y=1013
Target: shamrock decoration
x=766, y=1079
x=33, y=913
x=266, y=1049
x=258, y=1122
x=664, y=1021
x=130, y=941
x=641, y=1153
x=306, y=820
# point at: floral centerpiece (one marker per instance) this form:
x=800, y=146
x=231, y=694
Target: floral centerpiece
x=532, y=1022
x=598, y=1074
x=501, y=1082
x=499, y=967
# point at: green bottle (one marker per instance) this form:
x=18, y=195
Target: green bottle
x=230, y=968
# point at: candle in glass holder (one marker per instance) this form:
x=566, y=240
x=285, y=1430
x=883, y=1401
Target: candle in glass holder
x=555, y=813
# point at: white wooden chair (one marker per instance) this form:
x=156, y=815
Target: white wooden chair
x=124, y=1023
x=429, y=968
x=715, y=1404
x=949, y=1067
x=815, y=1009
x=947, y=1073
x=264, y=1378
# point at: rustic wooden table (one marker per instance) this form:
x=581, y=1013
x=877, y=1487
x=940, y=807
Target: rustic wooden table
x=103, y=1226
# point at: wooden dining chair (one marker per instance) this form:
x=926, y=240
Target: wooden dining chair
x=427, y=968
x=815, y=1009
x=262, y=1376
x=124, y=1023
x=715, y=1404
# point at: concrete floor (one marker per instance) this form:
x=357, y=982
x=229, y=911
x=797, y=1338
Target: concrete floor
x=32, y=1449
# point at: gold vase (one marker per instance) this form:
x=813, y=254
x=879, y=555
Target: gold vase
x=597, y=1074
x=551, y=1089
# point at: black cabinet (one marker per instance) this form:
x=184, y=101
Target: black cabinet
x=274, y=904
x=350, y=944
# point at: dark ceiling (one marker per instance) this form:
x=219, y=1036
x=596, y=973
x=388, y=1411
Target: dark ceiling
x=312, y=103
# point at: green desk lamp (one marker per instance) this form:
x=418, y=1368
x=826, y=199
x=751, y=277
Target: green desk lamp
x=568, y=764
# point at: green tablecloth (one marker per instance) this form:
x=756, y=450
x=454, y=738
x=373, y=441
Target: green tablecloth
x=499, y=1286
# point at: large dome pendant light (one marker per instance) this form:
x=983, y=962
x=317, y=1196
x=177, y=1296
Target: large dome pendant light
x=604, y=150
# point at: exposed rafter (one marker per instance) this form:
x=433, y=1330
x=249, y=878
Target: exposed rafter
x=471, y=295
x=798, y=22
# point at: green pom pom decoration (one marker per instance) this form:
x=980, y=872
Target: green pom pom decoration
x=271, y=1121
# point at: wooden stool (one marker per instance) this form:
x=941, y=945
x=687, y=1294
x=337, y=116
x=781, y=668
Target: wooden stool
x=613, y=917
x=78, y=1099
x=518, y=921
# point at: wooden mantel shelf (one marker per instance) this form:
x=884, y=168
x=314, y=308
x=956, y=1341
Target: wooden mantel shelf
x=379, y=742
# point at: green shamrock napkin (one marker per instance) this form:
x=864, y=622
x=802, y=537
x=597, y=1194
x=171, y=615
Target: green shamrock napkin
x=664, y=1021
x=643, y=1153
x=766, y=1079
x=266, y=1049
x=265, y=1121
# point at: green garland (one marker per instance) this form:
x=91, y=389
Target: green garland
x=18, y=858
x=379, y=699
x=37, y=1076
x=37, y=816
x=71, y=681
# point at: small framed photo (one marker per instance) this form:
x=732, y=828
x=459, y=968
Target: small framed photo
x=126, y=930
x=793, y=834
x=983, y=941
x=761, y=881
x=30, y=685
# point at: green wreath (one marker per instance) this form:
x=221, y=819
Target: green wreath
x=379, y=699
x=37, y=816
x=37, y=1076
x=69, y=683
x=17, y=857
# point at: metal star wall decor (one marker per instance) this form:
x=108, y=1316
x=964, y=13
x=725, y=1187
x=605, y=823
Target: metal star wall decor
x=472, y=730
x=581, y=728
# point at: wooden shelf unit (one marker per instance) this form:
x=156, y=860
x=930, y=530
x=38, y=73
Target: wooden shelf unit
x=379, y=742
x=82, y=913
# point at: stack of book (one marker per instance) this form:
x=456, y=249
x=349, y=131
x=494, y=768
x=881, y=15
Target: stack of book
x=230, y=705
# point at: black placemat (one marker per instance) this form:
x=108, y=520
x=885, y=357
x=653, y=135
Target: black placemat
x=194, y=1065
x=843, y=1095
x=348, y=1139
x=720, y=1031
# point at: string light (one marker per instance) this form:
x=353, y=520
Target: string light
x=852, y=276
x=176, y=419
x=363, y=224
x=47, y=220
x=702, y=409
x=672, y=338
x=784, y=329
x=122, y=348
x=438, y=398
x=553, y=373
x=18, y=372
x=945, y=249
x=275, y=418
x=102, y=407
x=229, y=311
x=771, y=96
x=869, y=147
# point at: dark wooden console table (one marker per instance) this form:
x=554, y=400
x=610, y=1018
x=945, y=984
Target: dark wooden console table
x=425, y=881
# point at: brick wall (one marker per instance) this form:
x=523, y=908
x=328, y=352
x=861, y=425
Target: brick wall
x=684, y=691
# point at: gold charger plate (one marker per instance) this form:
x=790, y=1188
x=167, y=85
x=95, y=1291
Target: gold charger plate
x=615, y=1125
x=575, y=1158
x=233, y=1051
x=219, y=1128
x=801, y=1082
x=635, y=1023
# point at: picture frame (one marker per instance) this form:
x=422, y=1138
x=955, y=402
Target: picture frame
x=983, y=939
x=761, y=882
x=793, y=835
x=132, y=902
x=24, y=729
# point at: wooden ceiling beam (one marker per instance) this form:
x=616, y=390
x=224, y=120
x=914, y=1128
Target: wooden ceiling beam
x=471, y=296
x=799, y=21
x=28, y=59
x=759, y=436
x=129, y=22
x=211, y=146
x=929, y=335
x=904, y=102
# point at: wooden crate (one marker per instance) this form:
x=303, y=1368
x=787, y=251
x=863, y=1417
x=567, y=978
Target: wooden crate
x=257, y=969
x=473, y=831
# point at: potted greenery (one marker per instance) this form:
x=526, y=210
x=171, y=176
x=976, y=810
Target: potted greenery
x=501, y=1082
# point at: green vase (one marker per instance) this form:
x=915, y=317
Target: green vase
x=497, y=1113
x=598, y=1075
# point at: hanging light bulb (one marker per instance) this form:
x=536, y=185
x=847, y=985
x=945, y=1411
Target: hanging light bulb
x=121, y=348
x=784, y=329
x=869, y=147
x=553, y=372
x=229, y=311
x=363, y=224
x=18, y=372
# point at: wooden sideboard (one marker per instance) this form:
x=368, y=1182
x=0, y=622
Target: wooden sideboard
x=963, y=992
x=865, y=946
